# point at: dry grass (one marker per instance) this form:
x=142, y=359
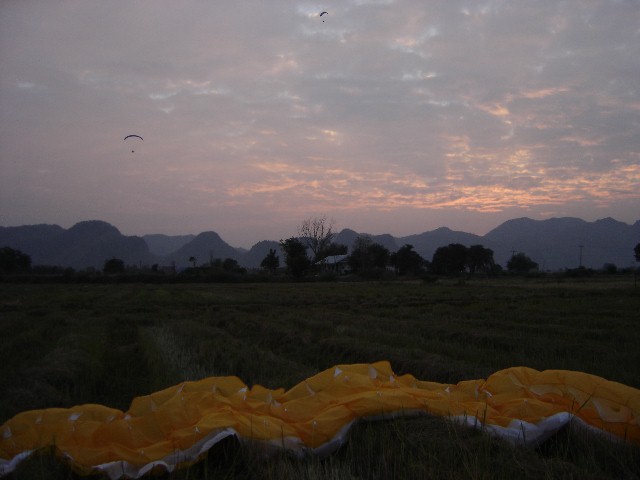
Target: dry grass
x=62, y=345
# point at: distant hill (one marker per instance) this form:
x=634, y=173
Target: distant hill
x=253, y=258
x=559, y=243
x=161, y=245
x=204, y=247
x=348, y=237
x=555, y=244
x=38, y=241
x=86, y=244
x=427, y=243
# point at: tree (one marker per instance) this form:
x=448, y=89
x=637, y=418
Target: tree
x=449, y=260
x=316, y=234
x=335, y=249
x=193, y=261
x=271, y=262
x=520, y=263
x=636, y=252
x=113, y=266
x=480, y=259
x=367, y=256
x=407, y=261
x=232, y=265
x=14, y=261
x=295, y=256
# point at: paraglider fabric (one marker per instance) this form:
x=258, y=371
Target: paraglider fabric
x=175, y=426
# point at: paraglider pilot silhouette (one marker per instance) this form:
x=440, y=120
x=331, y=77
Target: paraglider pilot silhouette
x=324, y=13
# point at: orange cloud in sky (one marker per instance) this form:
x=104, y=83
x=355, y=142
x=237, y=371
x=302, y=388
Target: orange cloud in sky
x=495, y=109
x=343, y=189
x=540, y=93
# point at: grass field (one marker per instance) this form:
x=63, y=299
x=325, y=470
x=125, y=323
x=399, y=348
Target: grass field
x=62, y=345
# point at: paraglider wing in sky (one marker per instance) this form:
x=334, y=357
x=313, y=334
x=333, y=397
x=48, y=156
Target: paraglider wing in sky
x=324, y=13
x=133, y=136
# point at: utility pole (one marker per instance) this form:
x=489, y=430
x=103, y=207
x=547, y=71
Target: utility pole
x=580, y=247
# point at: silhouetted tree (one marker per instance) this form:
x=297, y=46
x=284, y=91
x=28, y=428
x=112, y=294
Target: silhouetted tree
x=449, y=260
x=215, y=263
x=232, y=265
x=334, y=249
x=295, y=254
x=407, y=261
x=193, y=261
x=113, y=266
x=367, y=256
x=271, y=262
x=316, y=234
x=520, y=263
x=480, y=259
x=14, y=261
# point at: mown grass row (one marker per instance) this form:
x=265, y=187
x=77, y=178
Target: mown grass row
x=62, y=345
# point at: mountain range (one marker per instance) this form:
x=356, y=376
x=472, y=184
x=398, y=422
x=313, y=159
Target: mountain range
x=555, y=244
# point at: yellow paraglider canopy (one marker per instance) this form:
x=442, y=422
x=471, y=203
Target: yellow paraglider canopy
x=173, y=427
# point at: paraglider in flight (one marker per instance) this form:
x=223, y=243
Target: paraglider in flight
x=324, y=13
x=133, y=136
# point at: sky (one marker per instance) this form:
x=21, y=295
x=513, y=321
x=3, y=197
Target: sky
x=383, y=116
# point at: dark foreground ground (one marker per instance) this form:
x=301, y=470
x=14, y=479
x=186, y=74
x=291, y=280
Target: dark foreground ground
x=62, y=345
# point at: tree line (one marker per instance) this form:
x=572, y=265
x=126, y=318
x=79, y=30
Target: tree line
x=370, y=259
x=309, y=251
x=313, y=252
